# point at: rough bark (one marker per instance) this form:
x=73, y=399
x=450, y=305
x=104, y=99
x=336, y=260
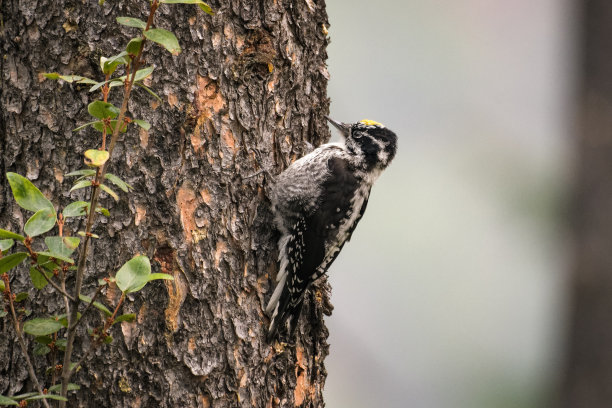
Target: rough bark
x=251, y=77
x=588, y=376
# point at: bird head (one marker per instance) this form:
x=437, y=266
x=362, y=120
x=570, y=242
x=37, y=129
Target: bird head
x=369, y=138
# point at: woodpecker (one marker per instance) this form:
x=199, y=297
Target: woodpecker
x=317, y=202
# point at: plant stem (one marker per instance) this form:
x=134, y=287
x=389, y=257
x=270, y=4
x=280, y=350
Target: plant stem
x=89, y=306
x=57, y=287
x=72, y=318
x=66, y=297
x=22, y=344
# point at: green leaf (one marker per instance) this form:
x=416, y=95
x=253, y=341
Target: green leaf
x=133, y=46
x=165, y=38
x=20, y=297
x=83, y=234
x=41, y=350
x=41, y=326
x=129, y=317
x=38, y=280
x=59, y=257
x=7, y=401
x=12, y=235
x=97, y=305
x=61, y=344
x=81, y=184
x=132, y=22
x=63, y=246
x=85, y=81
x=47, y=396
x=24, y=395
x=82, y=172
x=2, y=289
x=9, y=262
x=58, y=387
x=98, y=85
x=71, y=243
x=96, y=158
x=109, y=65
x=41, y=222
x=108, y=340
x=84, y=126
x=146, y=88
x=109, y=192
x=205, y=7
x=75, y=209
x=103, y=211
x=142, y=73
x=142, y=123
x=156, y=276
x=6, y=244
x=118, y=182
x=71, y=78
x=77, y=78
x=26, y=194
x=102, y=110
x=134, y=274
x=50, y=266
x=68, y=78
x=44, y=339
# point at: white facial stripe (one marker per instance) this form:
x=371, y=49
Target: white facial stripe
x=383, y=156
x=376, y=142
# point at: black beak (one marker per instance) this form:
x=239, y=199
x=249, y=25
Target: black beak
x=344, y=128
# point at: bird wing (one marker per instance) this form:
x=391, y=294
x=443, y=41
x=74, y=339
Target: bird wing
x=313, y=241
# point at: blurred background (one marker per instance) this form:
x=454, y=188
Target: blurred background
x=454, y=290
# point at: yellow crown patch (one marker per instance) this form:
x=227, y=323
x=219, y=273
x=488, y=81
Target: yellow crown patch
x=369, y=122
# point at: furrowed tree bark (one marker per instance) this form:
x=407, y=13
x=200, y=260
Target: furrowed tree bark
x=247, y=92
x=587, y=381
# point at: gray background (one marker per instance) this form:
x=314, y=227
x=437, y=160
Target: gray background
x=452, y=291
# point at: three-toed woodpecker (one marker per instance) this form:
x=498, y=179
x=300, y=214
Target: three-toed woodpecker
x=318, y=201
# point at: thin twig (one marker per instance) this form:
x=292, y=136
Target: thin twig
x=55, y=285
x=24, y=348
x=54, y=360
x=110, y=320
x=89, y=306
x=66, y=297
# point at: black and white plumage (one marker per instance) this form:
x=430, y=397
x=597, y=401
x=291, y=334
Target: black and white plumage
x=318, y=201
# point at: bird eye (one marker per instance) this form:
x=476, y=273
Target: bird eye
x=357, y=135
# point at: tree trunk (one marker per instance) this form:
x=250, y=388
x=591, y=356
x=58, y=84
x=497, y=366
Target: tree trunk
x=252, y=78
x=588, y=377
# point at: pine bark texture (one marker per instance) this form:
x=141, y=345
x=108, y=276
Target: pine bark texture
x=588, y=378
x=251, y=78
